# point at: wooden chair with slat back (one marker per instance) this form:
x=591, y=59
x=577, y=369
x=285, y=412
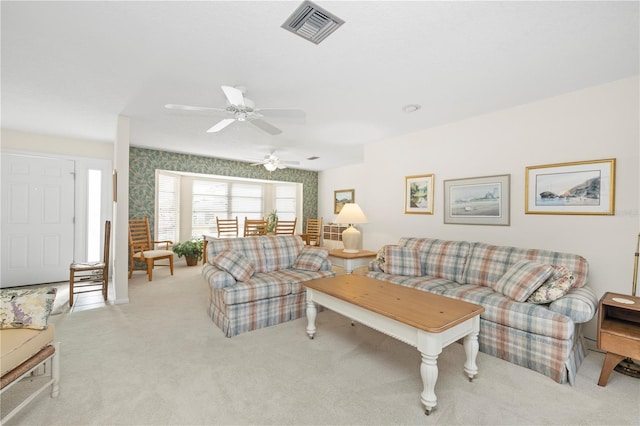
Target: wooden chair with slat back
x=285, y=227
x=254, y=227
x=142, y=249
x=313, y=231
x=91, y=276
x=227, y=227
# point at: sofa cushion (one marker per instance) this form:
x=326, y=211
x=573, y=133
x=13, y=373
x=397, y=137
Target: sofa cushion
x=236, y=264
x=440, y=258
x=249, y=247
x=488, y=263
x=216, y=277
x=528, y=317
x=262, y=285
x=29, y=308
x=18, y=345
x=311, y=258
x=280, y=251
x=556, y=286
x=402, y=261
x=522, y=279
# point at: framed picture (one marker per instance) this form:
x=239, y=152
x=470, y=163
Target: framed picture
x=477, y=201
x=418, y=194
x=583, y=187
x=342, y=197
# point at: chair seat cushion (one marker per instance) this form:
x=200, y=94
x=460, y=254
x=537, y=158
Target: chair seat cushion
x=152, y=254
x=19, y=344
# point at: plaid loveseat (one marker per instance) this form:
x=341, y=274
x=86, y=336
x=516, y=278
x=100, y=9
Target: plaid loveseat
x=526, y=320
x=256, y=282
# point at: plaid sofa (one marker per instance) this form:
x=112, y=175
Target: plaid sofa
x=545, y=337
x=256, y=282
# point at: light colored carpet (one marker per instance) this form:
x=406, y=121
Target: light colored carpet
x=160, y=360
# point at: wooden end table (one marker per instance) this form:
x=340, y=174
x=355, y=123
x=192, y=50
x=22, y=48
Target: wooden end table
x=426, y=321
x=350, y=261
x=618, y=331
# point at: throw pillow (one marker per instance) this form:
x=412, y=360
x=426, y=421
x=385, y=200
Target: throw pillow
x=522, y=279
x=402, y=261
x=555, y=287
x=236, y=264
x=26, y=308
x=311, y=259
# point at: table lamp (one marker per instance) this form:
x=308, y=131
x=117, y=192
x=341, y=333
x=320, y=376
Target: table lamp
x=351, y=213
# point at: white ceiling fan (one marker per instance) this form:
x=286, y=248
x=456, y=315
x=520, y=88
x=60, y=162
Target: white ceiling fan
x=271, y=163
x=242, y=109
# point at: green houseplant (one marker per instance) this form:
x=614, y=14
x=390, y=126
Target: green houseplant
x=191, y=250
x=271, y=221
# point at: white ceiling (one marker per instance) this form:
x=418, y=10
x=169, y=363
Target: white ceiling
x=70, y=68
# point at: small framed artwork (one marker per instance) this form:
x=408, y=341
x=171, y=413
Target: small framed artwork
x=583, y=187
x=477, y=201
x=418, y=194
x=342, y=197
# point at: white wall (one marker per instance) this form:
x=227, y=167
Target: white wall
x=33, y=142
x=595, y=123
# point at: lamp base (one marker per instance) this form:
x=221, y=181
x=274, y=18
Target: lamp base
x=351, y=238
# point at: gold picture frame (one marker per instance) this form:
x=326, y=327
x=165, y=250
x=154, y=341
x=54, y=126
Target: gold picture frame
x=342, y=197
x=577, y=188
x=418, y=194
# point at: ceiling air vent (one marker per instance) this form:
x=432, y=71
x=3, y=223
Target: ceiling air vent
x=312, y=22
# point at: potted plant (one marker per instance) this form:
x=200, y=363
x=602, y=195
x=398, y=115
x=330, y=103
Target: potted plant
x=271, y=222
x=191, y=250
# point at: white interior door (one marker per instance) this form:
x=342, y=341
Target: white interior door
x=37, y=219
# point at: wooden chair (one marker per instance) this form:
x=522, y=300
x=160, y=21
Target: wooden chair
x=285, y=227
x=142, y=249
x=255, y=227
x=227, y=227
x=313, y=231
x=93, y=276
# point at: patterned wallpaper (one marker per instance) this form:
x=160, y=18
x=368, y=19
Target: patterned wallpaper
x=144, y=162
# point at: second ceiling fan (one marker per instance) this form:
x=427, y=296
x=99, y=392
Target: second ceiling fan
x=242, y=109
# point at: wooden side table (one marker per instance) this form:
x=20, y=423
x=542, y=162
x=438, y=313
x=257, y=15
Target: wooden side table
x=618, y=331
x=350, y=261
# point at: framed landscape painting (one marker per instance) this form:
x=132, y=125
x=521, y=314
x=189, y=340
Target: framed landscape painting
x=583, y=187
x=477, y=201
x=418, y=194
x=342, y=197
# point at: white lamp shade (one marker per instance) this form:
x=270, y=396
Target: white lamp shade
x=351, y=213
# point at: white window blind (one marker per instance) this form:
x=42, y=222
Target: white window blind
x=168, y=211
x=286, y=201
x=225, y=199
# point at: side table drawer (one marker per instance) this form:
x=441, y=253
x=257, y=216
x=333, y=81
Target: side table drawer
x=620, y=345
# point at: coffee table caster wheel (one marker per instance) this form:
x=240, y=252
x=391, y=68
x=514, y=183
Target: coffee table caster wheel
x=427, y=412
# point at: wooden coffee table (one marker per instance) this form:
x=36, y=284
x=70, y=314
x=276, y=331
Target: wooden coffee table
x=426, y=321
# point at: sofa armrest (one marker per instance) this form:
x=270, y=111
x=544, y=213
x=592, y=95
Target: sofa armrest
x=579, y=304
x=217, y=278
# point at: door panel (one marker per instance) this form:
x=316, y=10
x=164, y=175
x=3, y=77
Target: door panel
x=37, y=219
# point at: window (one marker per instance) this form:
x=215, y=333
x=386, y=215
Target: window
x=188, y=203
x=286, y=201
x=226, y=199
x=167, y=210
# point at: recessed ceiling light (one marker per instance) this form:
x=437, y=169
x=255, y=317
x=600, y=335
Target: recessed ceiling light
x=411, y=108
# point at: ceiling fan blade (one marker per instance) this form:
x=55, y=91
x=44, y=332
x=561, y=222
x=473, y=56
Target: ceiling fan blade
x=193, y=108
x=261, y=124
x=284, y=113
x=291, y=163
x=221, y=125
x=233, y=95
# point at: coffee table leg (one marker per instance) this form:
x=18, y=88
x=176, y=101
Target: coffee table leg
x=312, y=311
x=429, y=373
x=471, y=346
